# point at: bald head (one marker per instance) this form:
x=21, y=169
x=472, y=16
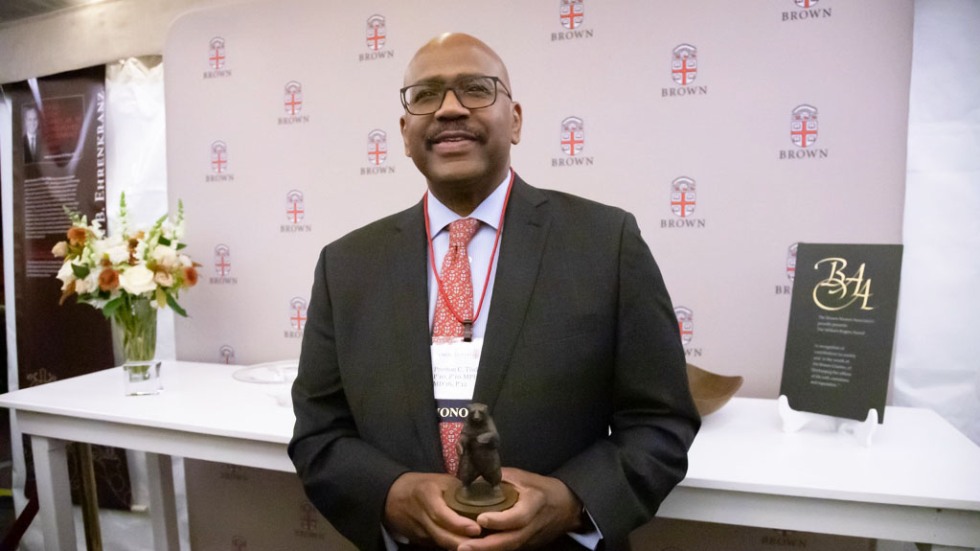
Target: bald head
x=443, y=50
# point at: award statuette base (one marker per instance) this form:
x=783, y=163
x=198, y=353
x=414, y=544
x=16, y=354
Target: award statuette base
x=480, y=497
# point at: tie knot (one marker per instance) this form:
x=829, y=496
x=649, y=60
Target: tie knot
x=461, y=231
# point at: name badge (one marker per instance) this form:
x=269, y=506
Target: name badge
x=454, y=366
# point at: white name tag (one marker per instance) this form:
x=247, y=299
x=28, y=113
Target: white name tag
x=454, y=367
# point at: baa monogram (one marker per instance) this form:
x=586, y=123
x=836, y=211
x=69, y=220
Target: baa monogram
x=839, y=290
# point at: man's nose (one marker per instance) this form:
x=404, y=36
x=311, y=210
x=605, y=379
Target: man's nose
x=451, y=106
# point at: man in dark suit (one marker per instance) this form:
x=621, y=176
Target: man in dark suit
x=32, y=138
x=580, y=359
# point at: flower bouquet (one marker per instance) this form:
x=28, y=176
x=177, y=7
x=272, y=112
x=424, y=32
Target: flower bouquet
x=128, y=275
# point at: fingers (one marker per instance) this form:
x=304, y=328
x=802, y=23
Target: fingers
x=545, y=510
x=528, y=506
x=415, y=508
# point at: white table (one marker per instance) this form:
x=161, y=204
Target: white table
x=920, y=480
x=203, y=413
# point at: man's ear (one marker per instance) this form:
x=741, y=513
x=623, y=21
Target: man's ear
x=517, y=122
x=401, y=125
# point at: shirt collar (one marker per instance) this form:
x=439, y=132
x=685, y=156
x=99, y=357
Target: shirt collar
x=488, y=212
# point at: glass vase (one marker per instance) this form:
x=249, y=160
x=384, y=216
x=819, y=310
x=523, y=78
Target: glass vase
x=136, y=321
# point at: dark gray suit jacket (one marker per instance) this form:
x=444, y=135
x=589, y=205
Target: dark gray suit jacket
x=581, y=337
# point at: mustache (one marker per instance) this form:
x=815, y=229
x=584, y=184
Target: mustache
x=449, y=128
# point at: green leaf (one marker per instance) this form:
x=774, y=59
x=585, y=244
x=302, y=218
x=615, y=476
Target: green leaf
x=109, y=310
x=81, y=272
x=172, y=302
x=164, y=241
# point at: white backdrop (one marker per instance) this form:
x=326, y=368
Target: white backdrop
x=283, y=135
x=937, y=363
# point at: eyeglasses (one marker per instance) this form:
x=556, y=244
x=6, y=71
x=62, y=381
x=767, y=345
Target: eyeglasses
x=471, y=92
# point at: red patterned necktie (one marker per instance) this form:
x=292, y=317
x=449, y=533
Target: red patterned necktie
x=455, y=296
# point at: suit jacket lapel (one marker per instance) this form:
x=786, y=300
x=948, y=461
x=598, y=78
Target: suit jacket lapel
x=410, y=312
x=526, y=227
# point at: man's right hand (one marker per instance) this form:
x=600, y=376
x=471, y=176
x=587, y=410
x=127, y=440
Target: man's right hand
x=415, y=509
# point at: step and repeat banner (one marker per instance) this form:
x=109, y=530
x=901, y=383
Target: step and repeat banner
x=733, y=131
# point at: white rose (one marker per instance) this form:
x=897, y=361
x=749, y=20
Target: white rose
x=66, y=275
x=165, y=257
x=172, y=231
x=137, y=280
x=185, y=261
x=118, y=254
x=100, y=246
x=88, y=285
x=165, y=279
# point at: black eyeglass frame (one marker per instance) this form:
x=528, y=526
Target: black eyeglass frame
x=496, y=82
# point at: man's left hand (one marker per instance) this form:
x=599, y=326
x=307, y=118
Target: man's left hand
x=545, y=511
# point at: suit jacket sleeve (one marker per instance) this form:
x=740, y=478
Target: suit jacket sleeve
x=623, y=478
x=345, y=478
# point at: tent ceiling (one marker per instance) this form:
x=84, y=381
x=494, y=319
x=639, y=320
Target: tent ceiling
x=14, y=10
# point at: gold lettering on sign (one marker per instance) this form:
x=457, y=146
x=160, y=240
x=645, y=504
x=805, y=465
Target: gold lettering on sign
x=839, y=290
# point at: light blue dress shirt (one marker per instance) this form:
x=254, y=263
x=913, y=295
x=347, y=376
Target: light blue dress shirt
x=479, y=249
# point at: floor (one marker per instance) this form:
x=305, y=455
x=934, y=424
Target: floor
x=7, y=514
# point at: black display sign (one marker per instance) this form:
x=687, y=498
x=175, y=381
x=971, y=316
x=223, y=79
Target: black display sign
x=841, y=329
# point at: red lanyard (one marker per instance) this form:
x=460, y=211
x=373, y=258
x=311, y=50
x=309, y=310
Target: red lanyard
x=467, y=324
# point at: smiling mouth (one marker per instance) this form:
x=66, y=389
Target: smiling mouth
x=452, y=138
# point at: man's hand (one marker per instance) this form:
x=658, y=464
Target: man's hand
x=415, y=508
x=545, y=511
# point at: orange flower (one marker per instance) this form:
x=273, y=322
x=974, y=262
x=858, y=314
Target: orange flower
x=108, y=279
x=190, y=276
x=133, y=243
x=76, y=235
x=69, y=291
